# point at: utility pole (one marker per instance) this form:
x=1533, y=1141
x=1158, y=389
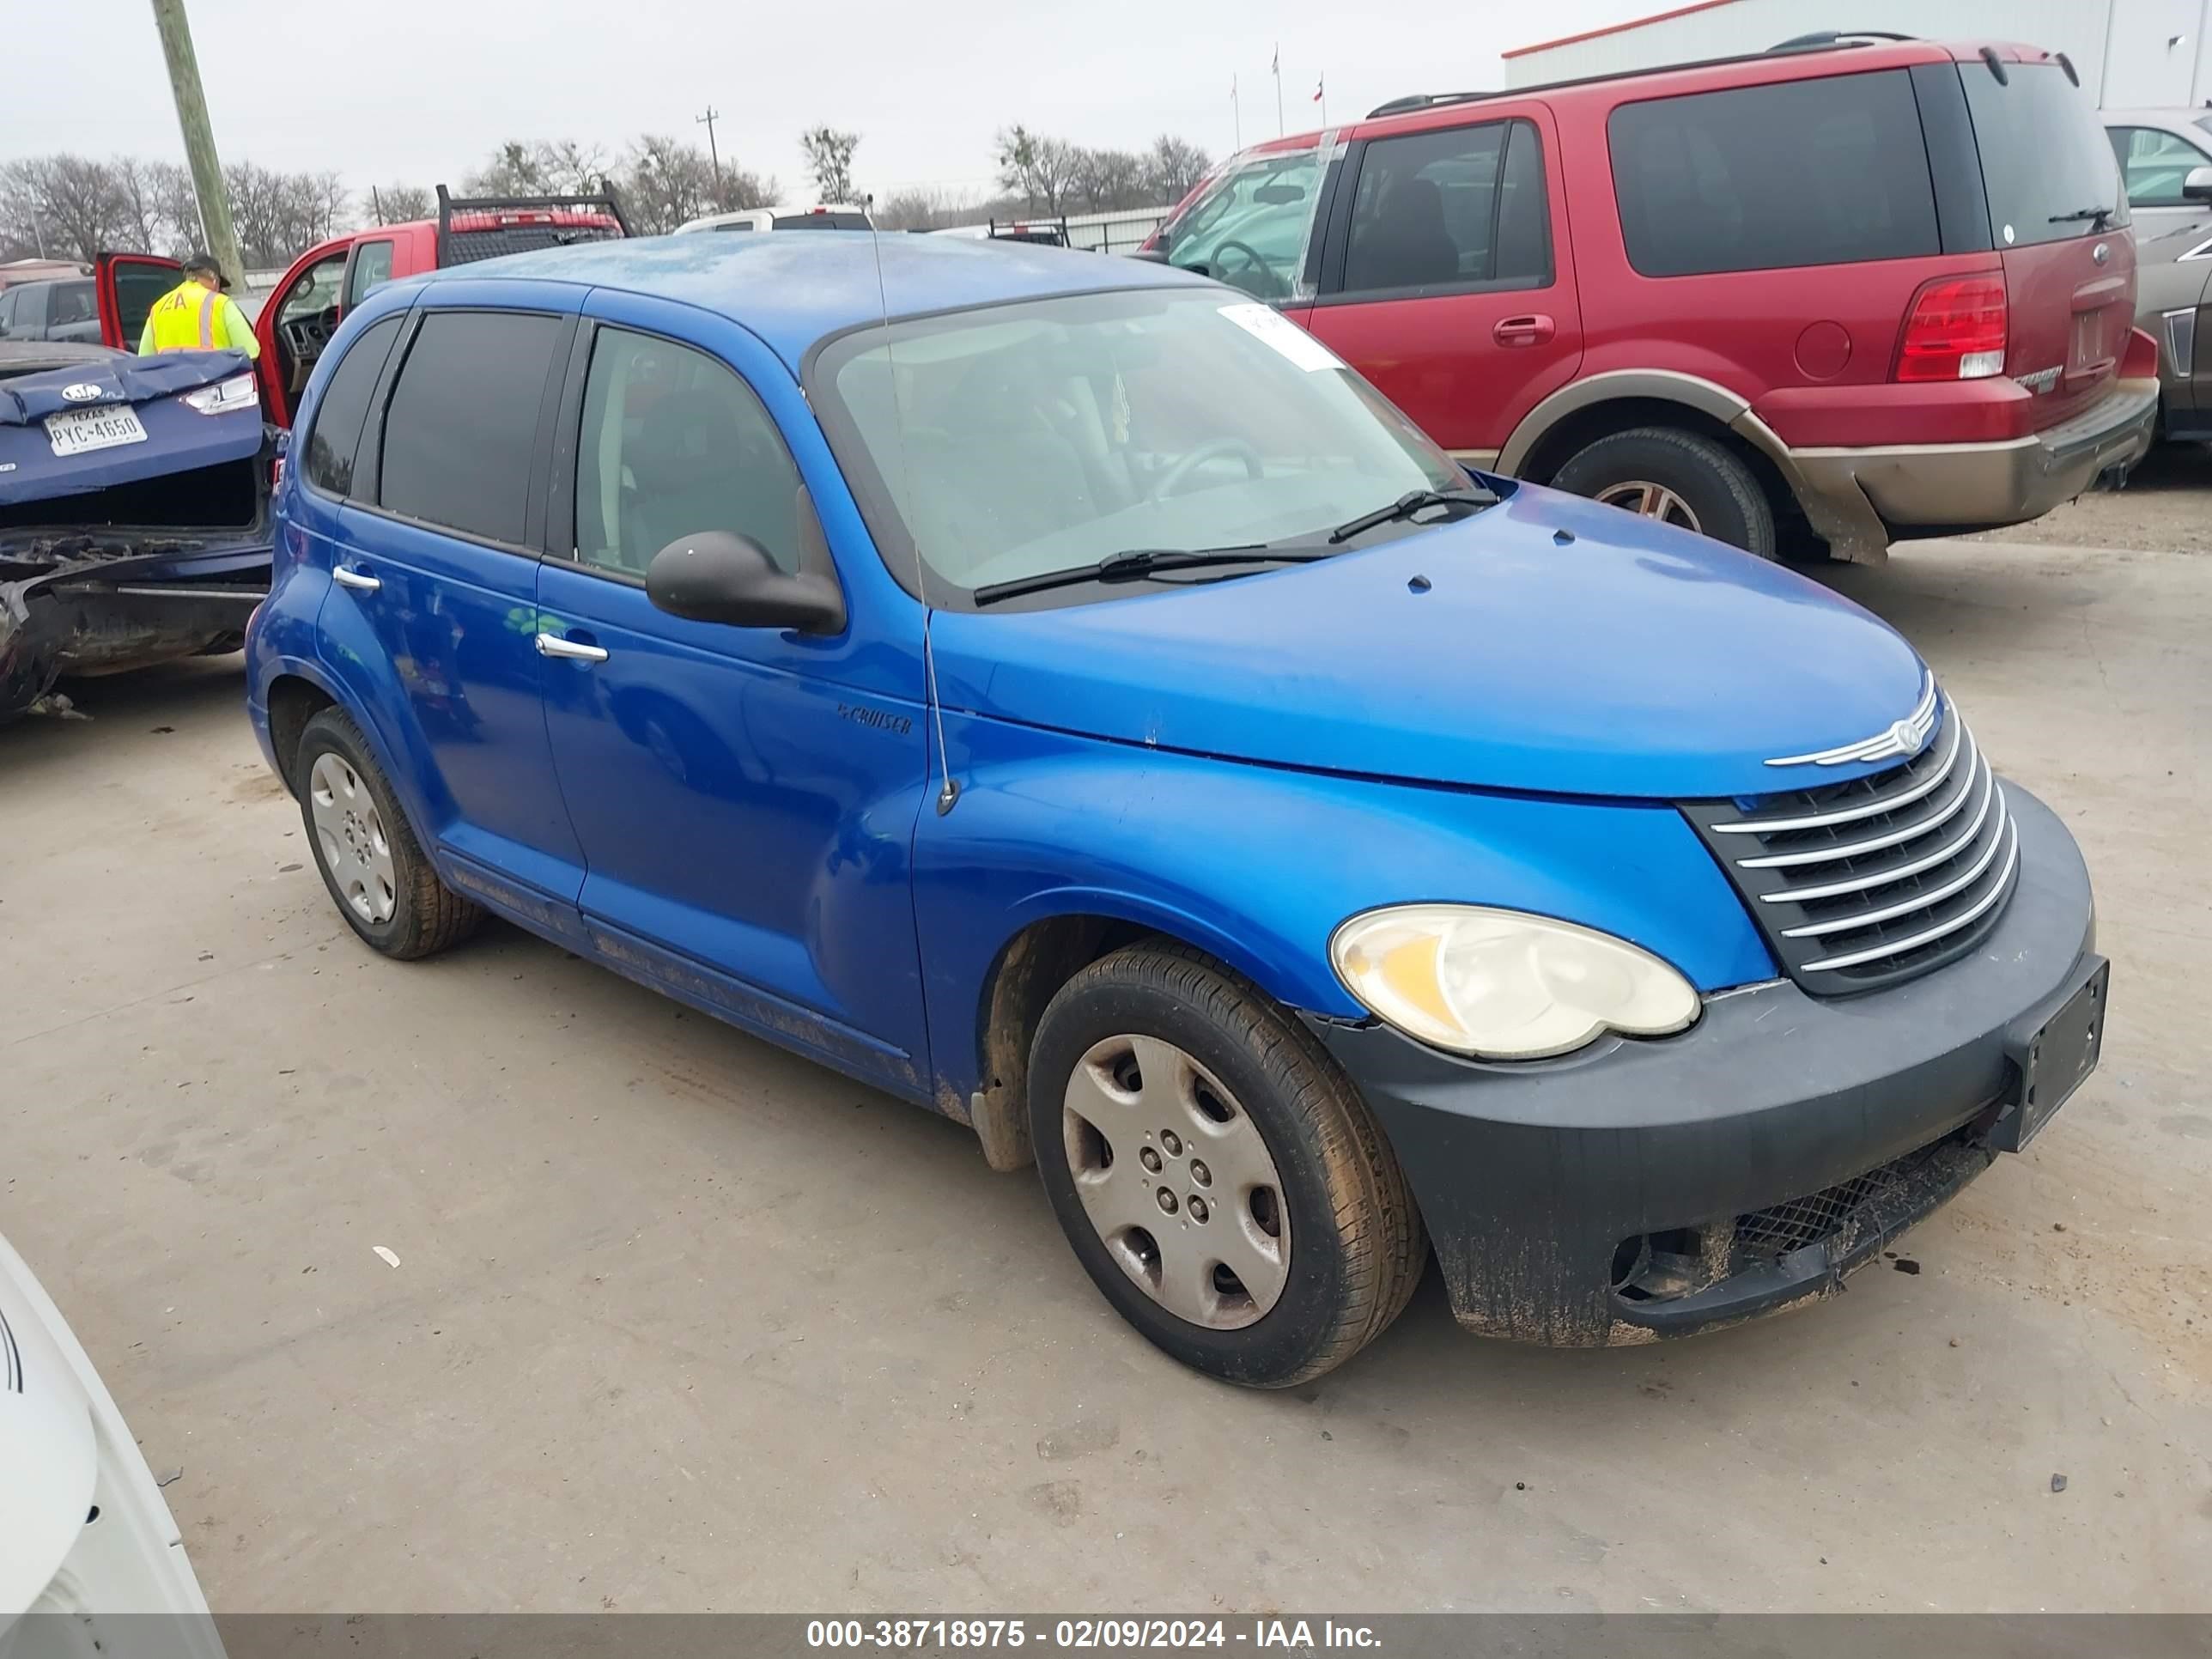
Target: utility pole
x=199, y=139
x=713, y=155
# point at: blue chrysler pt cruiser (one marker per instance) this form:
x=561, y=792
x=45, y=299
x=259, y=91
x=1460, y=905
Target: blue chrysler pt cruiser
x=1057, y=690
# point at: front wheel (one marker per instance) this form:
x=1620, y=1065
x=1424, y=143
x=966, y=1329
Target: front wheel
x=1678, y=477
x=1225, y=1188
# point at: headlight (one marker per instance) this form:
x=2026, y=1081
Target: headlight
x=237, y=393
x=1504, y=985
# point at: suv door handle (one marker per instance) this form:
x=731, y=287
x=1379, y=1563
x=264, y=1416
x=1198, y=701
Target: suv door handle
x=552, y=645
x=1531, y=330
x=355, y=579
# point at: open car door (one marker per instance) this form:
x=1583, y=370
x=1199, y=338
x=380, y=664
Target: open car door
x=126, y=285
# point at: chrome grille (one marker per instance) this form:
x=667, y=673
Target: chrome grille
x=1860, y=885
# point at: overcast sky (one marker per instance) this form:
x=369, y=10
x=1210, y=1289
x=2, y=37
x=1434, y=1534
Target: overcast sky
x=419, y=91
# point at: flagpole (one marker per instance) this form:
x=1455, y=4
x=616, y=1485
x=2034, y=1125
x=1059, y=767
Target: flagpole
x=1279, y=128
x=1237, y=112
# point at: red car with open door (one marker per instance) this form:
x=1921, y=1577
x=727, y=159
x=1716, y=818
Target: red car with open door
x=309, y=301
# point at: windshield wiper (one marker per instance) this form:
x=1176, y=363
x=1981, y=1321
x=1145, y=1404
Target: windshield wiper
x=2093, y=215
x=1135, y=564
x=1412, y=502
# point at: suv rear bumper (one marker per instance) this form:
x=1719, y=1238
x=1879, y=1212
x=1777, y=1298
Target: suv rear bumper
x=1634, y=1190
x=1860, y=500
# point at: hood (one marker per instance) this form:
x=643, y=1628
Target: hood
x=1635, y=660
x=48, y=1457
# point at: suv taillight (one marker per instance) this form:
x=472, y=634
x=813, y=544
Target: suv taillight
x=1955, y=331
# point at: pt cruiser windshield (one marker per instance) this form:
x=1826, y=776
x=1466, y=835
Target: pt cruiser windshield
x=1014, y=441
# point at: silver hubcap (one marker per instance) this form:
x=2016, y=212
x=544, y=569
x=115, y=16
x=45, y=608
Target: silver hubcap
x=1650, y=500
x=351, y=834
x=1173, y=1174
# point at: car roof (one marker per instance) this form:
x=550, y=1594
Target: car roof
x=2183, y=116
x=794, y=291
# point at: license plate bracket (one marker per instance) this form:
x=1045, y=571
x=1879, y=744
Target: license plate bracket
x=2052, y=1051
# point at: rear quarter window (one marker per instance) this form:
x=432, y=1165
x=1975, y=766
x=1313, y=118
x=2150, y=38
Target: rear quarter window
x=336, y=433
x=1829, y=170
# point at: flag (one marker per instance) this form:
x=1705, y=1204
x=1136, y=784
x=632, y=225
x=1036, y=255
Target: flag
x=1318, y=88
x=1276, y=67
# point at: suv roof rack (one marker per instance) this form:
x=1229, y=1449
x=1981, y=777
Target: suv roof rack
x=603, y=200
x=1822, y=40
x=1413, y=100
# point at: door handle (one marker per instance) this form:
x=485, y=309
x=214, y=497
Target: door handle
x=552, y=645
x=1531, y=330
x=355, y=579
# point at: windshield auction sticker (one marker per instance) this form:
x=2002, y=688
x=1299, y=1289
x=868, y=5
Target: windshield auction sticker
x=1266, y=323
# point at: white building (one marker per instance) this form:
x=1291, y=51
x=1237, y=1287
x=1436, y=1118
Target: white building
x=2130, y=53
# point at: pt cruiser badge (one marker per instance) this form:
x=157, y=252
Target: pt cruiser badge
x=1904, y=739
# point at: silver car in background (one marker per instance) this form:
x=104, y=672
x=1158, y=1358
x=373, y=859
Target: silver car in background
x=2165, y=163
x=2171, y=272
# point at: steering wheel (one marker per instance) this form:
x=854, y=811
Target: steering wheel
x=1269, y=287
x=1254, y=467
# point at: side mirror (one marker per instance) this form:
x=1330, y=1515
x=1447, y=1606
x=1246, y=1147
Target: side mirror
x=718, y=577
x=2196, y=186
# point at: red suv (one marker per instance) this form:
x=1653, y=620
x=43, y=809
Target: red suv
x=1845, y=292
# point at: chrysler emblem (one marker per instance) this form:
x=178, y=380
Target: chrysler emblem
x=2101, y=252
x=1900, y=740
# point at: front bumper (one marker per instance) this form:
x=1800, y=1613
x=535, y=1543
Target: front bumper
x=1860, y=500
x=1631, y=1190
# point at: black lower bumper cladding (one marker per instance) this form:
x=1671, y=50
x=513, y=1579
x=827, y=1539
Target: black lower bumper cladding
x=1642, y=1189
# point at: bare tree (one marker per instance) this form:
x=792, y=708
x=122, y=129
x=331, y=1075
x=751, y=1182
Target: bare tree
x=668, y=182
x=926, y=209
x=1106, y=179
x=829, y=155
x=1040, y=170
x=178, y=207
x=395, y=204
x=1172, y=166
x=539, y=168
x=64, y=207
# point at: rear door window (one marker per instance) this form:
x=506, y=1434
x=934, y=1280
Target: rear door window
x=1453, y=210
x=2153, y=164
x=1831, y=171
x=461, y=425
x=2045, y=158
x=338, y=418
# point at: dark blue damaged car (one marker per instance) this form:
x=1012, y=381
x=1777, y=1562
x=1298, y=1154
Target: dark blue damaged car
x=134, y=510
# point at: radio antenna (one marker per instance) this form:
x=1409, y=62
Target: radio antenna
x=948, y=791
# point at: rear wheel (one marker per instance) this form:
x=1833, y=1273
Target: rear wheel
x=383, y=883
x=1223, y=1184
x=1678, y=477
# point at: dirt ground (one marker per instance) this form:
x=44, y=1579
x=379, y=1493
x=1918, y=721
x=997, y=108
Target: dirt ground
x=2165, y=507
x=681, y=1322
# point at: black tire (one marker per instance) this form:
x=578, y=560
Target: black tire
x=427, y=915
x=1711, y=479
x=1357, y=1245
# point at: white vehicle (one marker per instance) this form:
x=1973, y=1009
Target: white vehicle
x=828, y=215
x=85, y=1536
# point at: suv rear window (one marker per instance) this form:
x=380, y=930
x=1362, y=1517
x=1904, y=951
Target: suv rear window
x=2044, y=155
x=1830, y=171
x=461, y=423
x=821, y=221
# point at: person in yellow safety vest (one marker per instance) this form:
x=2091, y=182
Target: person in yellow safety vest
x=196, y=315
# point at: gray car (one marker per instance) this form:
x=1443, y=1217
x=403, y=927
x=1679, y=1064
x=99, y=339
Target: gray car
x=2171, y=272
x=2165, y=157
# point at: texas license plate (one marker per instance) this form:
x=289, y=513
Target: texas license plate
x=78, y=431
x=2050, y=1057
